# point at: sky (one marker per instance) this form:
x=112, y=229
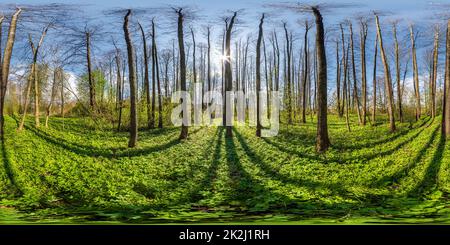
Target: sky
x=420, y=12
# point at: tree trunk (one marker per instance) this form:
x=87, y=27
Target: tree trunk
x=288, y=76
x=322, y=141
x=258, y=76
x=146, y=78
x=363, y=36
x=374, y=99
x=397, y=73
x=338, y=80
x=56, y=74
x=416, y=73
x=355, y=82
x=92, y=101
x=387, y=80
x=184, y=126
x=228, y=71
x=305, y=72
x=446, y=102
x=434, y=78
x=158, y=80
x=132, y=80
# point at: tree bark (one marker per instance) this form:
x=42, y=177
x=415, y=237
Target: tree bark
x=355, y=82
x=434, y=78
x=5, y=63
x=446, y=104
x=363, y=37
x=374, y=81
x=258, y=76
x=92, y=101
x=416, y=73
x=184, y=127
x=228, y=71
x=397, y=73
x=387, y=80
x=305, y=72
x=132, y=79
x=322, y=141
x=146, y=77
x=288, y=76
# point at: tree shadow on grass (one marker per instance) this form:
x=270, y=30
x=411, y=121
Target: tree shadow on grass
x=274, y=173
x=403, y=172
x=429, y=181
x=9, y=170
x=363, y=158
x=91, y=151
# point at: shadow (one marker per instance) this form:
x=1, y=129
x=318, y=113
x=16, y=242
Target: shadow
x=429, y=181
x=104, y=152
x=348, y=160
x=391, y=179
x=211, y=174
x=379, y=142
x=9, y=171
x=275, y=174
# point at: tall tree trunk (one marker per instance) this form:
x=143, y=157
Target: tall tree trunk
x=288, y=76
x=355, y=82
x=92, y=102
x=132, y=80
x=363, y=37
x=228, y=71
x=397, y=73
x=146, y=77
x=5, y=63
x=184, y=126
x=374, y=99
x=434, y=78
x=446, y=102
x=258, y=76
x=56, y=76
x=158, y=80
x=322, y=141
x=305, y=72
x=387, y=80
x=209, y=58
x=338, y=80
x=415, y=72
x=151, y=123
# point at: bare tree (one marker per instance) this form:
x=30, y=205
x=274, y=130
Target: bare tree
x=415, y=72
x=363, y=38
x=182, y=55
x=228, y=71
x=387, y=78
x=258, y=76
x=132, y=80
x=446, y=104
x=146, y=77
x=397, y=73
x=5, y=64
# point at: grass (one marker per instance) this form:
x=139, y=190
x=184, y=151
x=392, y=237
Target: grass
x=75, y=172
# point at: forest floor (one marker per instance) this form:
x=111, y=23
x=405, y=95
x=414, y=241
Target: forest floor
x=73, y=172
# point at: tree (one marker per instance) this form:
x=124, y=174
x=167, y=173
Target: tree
x=446, y=104
x=258, y=76
x=305, y=73
x=415, y=72
x=132, y=80
x=397, y=73
x=355, y=86
x=228, y=71
x=434, y=72
x=322, y=140
x=387, y=78
x=5, y=63
x=288, y=75
x=363, y=37
x=374, y=82
x=182, y=55
x=146, y=78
